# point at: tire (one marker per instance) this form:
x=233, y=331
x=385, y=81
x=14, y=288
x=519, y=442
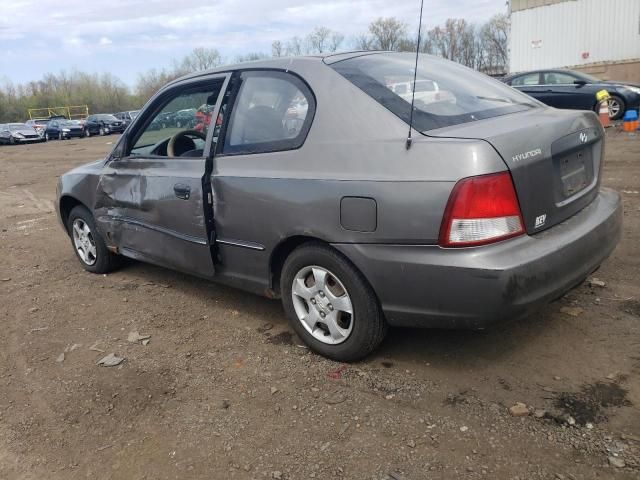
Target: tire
x=103, y=261
x=101, y=131
x=621, y=106
x=12, y=141
x=366, y=325
x=60, y=137
x=46, y=137
x=87, y=132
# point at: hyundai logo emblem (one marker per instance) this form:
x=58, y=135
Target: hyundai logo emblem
x=583, y=137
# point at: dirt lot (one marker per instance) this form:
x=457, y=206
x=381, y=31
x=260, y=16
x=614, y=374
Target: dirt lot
x=223, y=389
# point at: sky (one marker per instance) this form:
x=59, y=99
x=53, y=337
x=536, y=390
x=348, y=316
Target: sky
x=127, y=37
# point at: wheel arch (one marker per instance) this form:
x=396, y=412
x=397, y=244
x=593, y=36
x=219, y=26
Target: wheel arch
x=281, y=252
x=68, y=203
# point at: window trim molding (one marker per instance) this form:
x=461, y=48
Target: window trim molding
x=284, y=145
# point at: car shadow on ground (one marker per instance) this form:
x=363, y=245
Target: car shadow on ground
x=462, y=348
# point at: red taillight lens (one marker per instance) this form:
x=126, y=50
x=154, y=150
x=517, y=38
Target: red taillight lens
x=481, y=210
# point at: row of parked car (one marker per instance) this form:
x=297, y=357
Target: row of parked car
x=58, y=127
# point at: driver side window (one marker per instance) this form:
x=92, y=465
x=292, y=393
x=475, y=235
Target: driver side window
x=180, y=127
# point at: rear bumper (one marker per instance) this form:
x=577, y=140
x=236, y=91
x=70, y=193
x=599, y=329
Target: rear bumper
x=429, y=286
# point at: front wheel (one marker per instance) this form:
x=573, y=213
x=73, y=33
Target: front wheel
x=102, y=131
x=88, y=244
x=87, y=132
x=330, y=305
x=616, y=107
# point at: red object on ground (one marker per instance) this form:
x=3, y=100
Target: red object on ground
x=603, y=113
x=337, y=373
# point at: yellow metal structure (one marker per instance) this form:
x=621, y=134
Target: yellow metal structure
x=70, y=112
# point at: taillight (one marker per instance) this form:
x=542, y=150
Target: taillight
x=481, y=210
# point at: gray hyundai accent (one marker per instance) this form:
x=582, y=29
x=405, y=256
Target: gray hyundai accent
x=300, y=178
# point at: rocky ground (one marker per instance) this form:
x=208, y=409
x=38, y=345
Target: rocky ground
x=222, y=389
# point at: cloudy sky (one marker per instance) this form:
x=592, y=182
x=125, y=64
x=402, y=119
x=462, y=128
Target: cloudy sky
x=126, y=37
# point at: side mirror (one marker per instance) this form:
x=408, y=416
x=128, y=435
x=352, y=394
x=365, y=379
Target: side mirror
x=579, y=83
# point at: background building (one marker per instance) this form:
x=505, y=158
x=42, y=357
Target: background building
x=600, y=37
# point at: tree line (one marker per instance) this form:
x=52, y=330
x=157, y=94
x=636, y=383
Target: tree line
x=482, y=47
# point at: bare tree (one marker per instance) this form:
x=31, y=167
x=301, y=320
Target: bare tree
x=318, y=40
x=494, y=37
x=277, y=49
x=294, y=47
x=387, y=33
x=336, y=40
x=363, y=42
x=199, y=59
x=251, y=56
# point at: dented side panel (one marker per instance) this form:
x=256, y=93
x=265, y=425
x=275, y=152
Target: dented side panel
x=139, y=212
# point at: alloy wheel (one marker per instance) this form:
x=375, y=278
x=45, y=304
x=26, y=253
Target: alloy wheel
x=322, y=304
x=83, y=241
x=614, y=107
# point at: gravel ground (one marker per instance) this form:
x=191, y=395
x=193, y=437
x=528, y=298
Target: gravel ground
x=223, y=389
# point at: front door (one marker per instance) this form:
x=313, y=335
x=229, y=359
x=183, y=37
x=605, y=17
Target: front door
x=153, y=199
x=564, y=93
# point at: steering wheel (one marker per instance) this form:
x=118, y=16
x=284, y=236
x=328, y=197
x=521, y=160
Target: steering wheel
x=179, y=136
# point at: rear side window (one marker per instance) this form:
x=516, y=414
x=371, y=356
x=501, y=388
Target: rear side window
x=528, y=79
x=446, y=93
x=558, y=78
x=272, y=112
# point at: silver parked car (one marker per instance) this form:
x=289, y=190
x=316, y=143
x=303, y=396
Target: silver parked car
x=491, y=209
x=14, y=133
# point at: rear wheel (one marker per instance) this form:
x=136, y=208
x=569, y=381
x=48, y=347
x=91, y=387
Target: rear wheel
x=616, y=107
x=88, y=244
x=330, y=305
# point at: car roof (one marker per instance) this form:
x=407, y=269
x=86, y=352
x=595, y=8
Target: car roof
x=544, y=70
x=280, y=63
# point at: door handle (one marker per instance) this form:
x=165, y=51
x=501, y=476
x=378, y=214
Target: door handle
x=182, y=191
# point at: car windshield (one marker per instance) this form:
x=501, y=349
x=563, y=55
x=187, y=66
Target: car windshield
x=134, y=114
x=105, y=116
x=446, y=93
x=14, y=127
x=70, y=123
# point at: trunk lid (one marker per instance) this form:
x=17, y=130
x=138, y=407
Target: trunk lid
x=554, y=157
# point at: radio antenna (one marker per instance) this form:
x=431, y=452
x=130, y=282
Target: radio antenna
x=415, y=73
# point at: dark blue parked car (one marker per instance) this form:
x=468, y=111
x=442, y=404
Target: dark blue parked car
x=576, y=90
x=103, y=124
x=59, y=129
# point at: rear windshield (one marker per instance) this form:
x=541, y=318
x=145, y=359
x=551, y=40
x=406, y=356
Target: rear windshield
x=446, y=93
